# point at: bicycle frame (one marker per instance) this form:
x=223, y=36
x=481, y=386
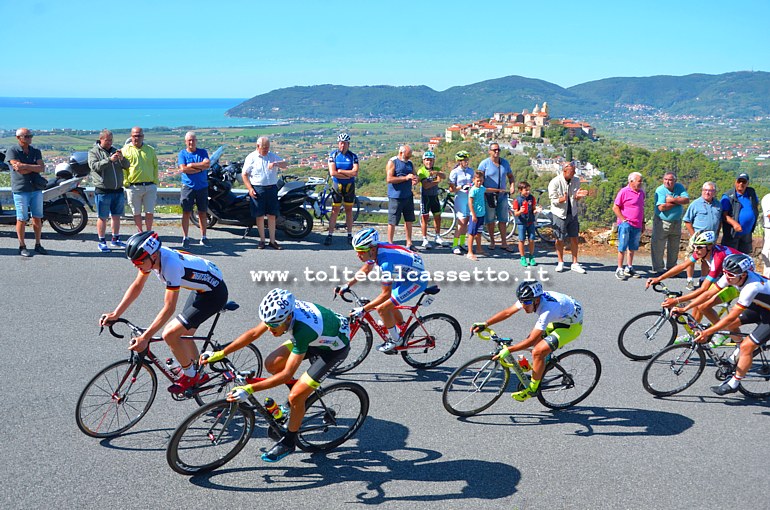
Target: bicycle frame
x=380, y=329
x=513, y=365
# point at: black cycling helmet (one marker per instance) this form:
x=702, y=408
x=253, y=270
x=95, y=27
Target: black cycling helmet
x=529, y=290
x=737, y=263
x=141, y=245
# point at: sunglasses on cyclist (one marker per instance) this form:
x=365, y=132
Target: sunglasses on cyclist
x=699, y=247
x=731, y=275
x=528, y=302
x=274, y=325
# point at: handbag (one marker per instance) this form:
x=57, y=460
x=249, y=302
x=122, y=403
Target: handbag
x=39, y=182
x=491, y=200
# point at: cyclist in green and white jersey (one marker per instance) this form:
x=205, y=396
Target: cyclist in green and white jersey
x=317, y=333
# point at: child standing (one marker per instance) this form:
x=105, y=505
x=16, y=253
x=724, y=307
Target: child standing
x=525, y=208
x=477, y=206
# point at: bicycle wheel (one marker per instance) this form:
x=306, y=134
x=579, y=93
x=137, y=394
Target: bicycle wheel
x=475, y=386
x=243, y=360
x=646, y=334
x=756, y=384
x=360, y=344
x=447, y=224
x=116, y=399
x=208, y=438
x=332, y=415
x=431, y=340
x=341, y=217
x=545, y=231
x=673, y=369
x=570, y=379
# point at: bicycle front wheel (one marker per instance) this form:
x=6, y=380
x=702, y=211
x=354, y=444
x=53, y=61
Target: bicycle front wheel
x=116, y=399
x=242, y=360
x=756, y=384
x=332, y=415
x=431, y=340
x=475, y=386
x=210, y=437
x=360, y=344
x=646, y=334
x=673, y=369
x=570, y=379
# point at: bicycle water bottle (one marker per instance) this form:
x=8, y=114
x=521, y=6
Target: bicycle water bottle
x=173, y=366
x=524, y=363
x=274, y=408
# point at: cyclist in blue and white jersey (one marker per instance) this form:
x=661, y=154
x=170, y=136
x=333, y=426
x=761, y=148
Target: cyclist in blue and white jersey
x=403, y=277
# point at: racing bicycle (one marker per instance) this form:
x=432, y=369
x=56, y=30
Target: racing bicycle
x=325, y=199
x=116, y=398
x=428, y=340
x=214, y=433
x=568, y=379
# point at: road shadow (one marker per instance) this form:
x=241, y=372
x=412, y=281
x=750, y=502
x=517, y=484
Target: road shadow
x=438, y=374
x=149, y=440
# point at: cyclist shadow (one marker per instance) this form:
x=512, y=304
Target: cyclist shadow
x=737, y=400
x=381, y=463
x=147, y=440
x=601, y=421
x=438, y=374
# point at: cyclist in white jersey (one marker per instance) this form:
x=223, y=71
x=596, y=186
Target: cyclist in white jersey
x=177, y=271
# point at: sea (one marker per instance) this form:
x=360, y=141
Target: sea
x=119, y=113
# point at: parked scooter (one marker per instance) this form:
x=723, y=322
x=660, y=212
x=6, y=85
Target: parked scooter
x=63, y=198
x=229, y=207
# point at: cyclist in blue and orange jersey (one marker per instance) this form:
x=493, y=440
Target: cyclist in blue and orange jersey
x=177, y=270
x=403, y=277
x=559, y=321
x=751, y=307
x=316, y=333
x=343, y=168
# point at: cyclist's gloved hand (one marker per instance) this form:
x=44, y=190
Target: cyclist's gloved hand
x=341, y=290
x=240, y=393
x=212, y=357
x=357, y=312
x=478, y=327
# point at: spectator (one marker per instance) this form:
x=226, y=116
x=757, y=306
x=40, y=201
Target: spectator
x=525, y=208
x=141, y=182
x=460, y=181
x=629, y=209
x=766, y=245
x=477, y=206
x=26, y=163
x=496, y=170
x=400, y=177
x=108, y=167
x=343, y=168
x=704, y=214
x=564, y=193
x=260, y=176
x=429, y=201
x=667, y=222
x=193, y=164
x=740, y=212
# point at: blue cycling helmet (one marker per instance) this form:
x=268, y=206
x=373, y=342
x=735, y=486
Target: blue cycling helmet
x=428, y=155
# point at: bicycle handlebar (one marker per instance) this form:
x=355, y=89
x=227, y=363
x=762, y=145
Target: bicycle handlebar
x=134, y=328
x=662, y=289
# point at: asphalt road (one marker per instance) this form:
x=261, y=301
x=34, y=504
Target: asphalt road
x=620, y=448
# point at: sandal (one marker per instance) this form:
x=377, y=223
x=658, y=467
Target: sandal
x=261, y=245
x=275, y=246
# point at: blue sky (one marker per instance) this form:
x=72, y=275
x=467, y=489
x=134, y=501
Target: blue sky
x=170, y=48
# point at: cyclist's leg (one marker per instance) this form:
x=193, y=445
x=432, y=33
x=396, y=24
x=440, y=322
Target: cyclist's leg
x=322, y=364
x=557, y=335
x=200, y=306
x=391, y=316
x=348, y=200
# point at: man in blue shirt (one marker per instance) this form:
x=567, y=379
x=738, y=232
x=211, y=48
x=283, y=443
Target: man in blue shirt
x=703, y=214
x=496, y=171
x=667, y=222
x=401, y=177
x=193, y=164
x=740, y=211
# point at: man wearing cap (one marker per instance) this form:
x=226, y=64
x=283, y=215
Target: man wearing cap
x=740, y=212
x=496, y=171
x=564, y=192
x=26, y=162
x=429, y=202
x=667, y=222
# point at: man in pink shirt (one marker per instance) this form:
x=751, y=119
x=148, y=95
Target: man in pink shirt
x=629, y=209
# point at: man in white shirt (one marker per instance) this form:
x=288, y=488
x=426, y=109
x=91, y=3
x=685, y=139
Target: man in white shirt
x=260, y=176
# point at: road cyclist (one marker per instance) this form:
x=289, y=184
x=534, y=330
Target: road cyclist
x=559, y=322
x=316, y=333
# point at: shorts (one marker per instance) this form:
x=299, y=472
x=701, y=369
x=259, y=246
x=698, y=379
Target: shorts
x=322, y=363
x=28, y=202
x=568, y=227
x=266, y=202
x=398, y=207
x=194, y=197
x=558, y=334
x=202, y=305
x=343, y=193
x=475, y=227
x=628, y=237
x=501, y=210
x=430, y=204
x=461, y=206
x=142, y=196
x=526, y=232
x=761, y=317
x=110, y=204
x=404, y=291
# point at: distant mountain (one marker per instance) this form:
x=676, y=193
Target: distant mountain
x=740, y=94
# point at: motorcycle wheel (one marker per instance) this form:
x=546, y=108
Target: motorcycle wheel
x=77, y=223
x=210, y=220
x=297, y=223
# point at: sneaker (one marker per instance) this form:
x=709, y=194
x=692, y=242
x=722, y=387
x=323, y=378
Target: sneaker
x=532, y=261
x=577, y=268
x=186, y=382
x=426, y=244
x=523, y=261
x=117, y=243
x=559, y=267
x=683, y=339
x=438, y=241
x=620, y=274
x=328, y=240
x=186, y=242
x=280, y=450
x=39, y=249
x=723, y=389
x=690, y=285
x=389, y=347
x=103, y=247
x=457, y=251
x=24, y=252
x=630, y=273
x=524, y=394
x=205, y=242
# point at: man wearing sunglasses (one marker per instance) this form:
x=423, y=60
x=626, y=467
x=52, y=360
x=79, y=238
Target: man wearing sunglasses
x=559, y=321
x=176, y=270
x=316, y=333
x=26, y=163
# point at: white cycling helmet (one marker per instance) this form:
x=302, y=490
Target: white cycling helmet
x=343, y=137
x=705, y=237
x=276, y=306
x=365, y=239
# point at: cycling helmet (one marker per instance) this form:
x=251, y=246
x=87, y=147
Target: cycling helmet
x=461, y=155
x=276, y=306
x=141, y=245
x=343, y=137
x=737, y=263
x=428, y=155
x=705, y=237
x=529, y=290
x=365, y=239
